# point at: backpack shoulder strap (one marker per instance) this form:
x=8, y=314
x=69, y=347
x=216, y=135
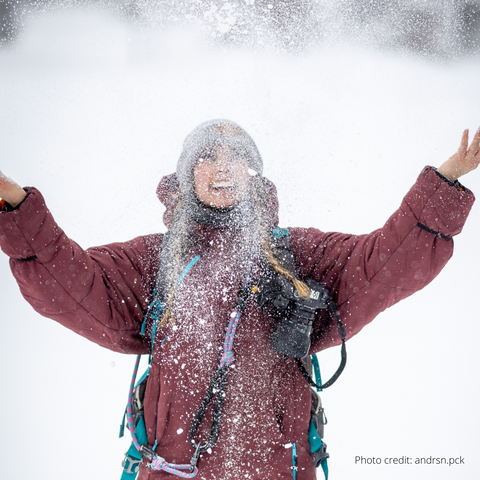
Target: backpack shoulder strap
x=278, y=232
x=281, y=248
x=157, y=305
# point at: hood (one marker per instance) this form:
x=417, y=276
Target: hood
x=168, y=192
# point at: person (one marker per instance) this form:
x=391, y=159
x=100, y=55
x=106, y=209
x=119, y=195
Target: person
x=220, y=214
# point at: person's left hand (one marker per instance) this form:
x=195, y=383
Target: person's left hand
x=464, y=160
x=10, y=191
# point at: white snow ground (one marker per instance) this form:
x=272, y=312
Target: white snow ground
x=94, y=114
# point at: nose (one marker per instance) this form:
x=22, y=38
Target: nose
x=223, y=162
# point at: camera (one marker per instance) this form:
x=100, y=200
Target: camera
x=292, y=336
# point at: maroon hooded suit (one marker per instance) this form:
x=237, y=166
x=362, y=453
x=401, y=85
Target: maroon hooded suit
x=103, y=294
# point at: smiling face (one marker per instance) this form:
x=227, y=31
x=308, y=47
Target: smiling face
x=221, y=178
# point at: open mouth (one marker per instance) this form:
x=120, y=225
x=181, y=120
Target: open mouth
x=222, y=185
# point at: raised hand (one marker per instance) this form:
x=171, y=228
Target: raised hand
x=464, y=160
x=10, y=191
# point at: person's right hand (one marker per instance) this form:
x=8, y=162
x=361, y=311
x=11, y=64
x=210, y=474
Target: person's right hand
x=10, y=191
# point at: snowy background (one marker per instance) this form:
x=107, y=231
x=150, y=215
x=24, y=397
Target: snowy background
x=346, y=106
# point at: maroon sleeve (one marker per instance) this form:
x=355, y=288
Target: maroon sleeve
x=368, y=273
x=101, y=293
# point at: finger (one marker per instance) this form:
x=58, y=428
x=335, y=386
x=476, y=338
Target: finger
x=7, y=183
x=475, y=146
x=6, y=180
x=3, y=178
x=464, y=143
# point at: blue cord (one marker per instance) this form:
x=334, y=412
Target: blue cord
x=294, y=461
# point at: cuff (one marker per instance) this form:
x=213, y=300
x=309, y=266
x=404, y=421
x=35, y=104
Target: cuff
x=439, y=204
x=455, y=184
x=29, y=228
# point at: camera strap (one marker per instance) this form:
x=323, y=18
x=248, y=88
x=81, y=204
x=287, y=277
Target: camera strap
x=284, y=252
x=341, y=330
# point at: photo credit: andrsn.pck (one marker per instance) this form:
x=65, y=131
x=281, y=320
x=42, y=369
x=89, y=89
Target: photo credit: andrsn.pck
x=405, y=460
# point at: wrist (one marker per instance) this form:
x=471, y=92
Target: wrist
x=14, y=196
x=449, y=174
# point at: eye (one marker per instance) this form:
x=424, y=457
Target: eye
x=207, y=156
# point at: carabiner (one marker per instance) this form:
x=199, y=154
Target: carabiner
x=194, y=460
